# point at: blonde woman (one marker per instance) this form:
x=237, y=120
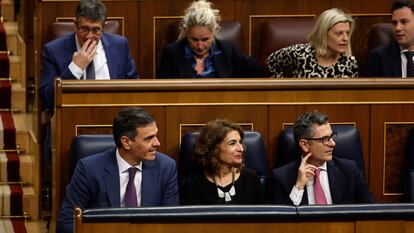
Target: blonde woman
x=327, y=53
x=199, y=54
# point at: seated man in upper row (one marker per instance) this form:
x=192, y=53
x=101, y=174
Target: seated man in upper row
x=89, y=53
x=395, y=59
x=198, y=54
x=318, y=177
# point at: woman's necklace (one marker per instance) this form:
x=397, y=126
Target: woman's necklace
x=226, y=195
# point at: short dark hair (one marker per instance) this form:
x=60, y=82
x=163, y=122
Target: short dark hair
x=126, y=122
x=401, y=4
x=93, y=10
x=303, y=127
x=206, y=147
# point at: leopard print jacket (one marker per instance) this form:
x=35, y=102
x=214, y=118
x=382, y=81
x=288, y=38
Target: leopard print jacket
x=302, y=58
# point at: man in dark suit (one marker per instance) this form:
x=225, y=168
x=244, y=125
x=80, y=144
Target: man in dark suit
x=317, y=177
x=104, y=179
x=391, y=60
x=199, y=54
x=89, y=53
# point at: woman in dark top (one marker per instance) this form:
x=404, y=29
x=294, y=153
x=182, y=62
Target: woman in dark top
x=219, y=149
x=199, y=54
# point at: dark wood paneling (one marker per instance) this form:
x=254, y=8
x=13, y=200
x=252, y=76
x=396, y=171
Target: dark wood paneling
x=360, y=37
x=387, y=172
x=364, y=7
x=396, y=135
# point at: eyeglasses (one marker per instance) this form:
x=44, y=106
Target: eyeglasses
x=86, y=30
x=325, y=139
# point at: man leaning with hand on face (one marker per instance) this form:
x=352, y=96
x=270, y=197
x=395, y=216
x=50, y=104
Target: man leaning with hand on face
x=88, y=53
x=318, y=178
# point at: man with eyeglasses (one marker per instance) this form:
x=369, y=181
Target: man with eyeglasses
x=318, y=177
x=88, y=53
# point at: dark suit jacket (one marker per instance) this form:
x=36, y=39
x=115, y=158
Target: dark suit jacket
x=230, y=63
x=346, y=182
x=95, y=183
x=385, y=61
x=57, y=55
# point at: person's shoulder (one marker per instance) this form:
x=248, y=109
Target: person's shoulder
x=299, y=49
x=98, y=157
x=301, y=46
x=164, y=159
x=287, y=167
x=385, y=48
x=224, y=44
x=249, y=172
x=341, y=162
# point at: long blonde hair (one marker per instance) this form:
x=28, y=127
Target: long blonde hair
x=318, y=38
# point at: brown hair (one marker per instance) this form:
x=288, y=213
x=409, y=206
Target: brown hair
x=206, y=148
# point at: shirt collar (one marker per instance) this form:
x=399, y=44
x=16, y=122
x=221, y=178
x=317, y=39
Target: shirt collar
x=402, y=51
x=123, y=165
x=323, y=167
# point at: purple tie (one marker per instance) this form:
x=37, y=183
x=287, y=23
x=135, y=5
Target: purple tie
x=131, y=192
x=317, y=187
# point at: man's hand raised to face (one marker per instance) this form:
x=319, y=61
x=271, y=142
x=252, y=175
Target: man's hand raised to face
x=306, y=171
x=86, y=54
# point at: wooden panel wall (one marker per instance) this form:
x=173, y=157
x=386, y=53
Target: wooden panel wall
x=332, y=226
x=381, y=109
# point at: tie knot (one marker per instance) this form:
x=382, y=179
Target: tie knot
x=132, y=171
x=317, y=172
x=409, y=54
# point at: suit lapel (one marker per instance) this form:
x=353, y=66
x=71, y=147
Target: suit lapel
x=222, y=68
x=293, y=182
x=396, y=59
x=70, y=47
x=148, y=186
x=110, y=54
x=111, y=179
x=333, y=175
x=185, y=67
x=305, y=200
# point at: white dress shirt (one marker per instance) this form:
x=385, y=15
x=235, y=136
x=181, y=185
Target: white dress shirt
x=296, y=195
x=99, y=61
x=123, y=167
x=403, y=63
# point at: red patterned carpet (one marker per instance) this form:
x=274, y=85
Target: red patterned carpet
x=11, y=191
